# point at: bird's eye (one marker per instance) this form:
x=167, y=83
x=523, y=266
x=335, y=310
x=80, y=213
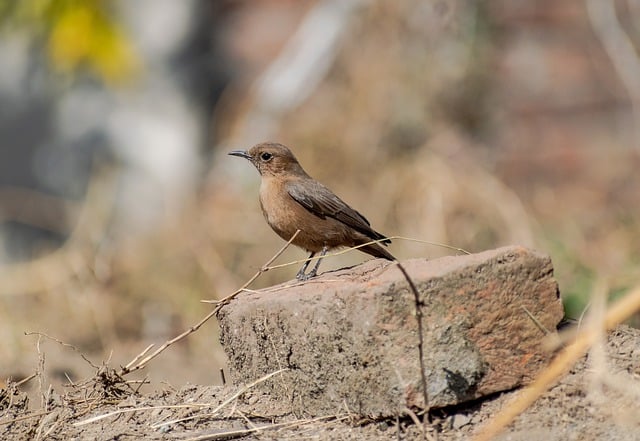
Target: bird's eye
x=265, y=156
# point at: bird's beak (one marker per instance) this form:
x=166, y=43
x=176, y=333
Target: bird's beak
x=240, y=153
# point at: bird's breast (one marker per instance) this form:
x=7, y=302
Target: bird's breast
x=278, y=208
x=285, y=216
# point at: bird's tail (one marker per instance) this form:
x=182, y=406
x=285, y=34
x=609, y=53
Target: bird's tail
x=376, y=250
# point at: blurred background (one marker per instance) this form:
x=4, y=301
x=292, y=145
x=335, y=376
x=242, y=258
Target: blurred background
x=475, y=124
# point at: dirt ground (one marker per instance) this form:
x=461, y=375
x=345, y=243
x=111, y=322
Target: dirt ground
x=596, y=400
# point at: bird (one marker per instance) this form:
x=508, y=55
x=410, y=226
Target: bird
x=291, y=200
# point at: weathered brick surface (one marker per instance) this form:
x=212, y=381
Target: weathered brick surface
x=350, y=337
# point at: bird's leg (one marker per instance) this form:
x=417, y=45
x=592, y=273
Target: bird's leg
x=315, y=268
x=301, y=275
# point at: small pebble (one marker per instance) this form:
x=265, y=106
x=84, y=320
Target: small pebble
x=460, y=420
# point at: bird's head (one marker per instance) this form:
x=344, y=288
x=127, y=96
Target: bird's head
x=271, y=159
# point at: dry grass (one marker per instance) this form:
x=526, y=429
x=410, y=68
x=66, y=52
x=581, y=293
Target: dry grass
x=411, y=128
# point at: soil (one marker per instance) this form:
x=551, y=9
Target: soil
x=596, y=400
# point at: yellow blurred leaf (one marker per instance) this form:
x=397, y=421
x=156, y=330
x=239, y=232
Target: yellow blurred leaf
x=111, y=56
x=77, y=34
x=70, y=39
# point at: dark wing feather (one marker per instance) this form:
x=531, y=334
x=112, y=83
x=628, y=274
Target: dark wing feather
x=321, y=201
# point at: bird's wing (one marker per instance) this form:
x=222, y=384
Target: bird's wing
x=321, y=201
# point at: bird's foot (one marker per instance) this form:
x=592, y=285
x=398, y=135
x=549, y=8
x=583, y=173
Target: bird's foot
x=302, y=277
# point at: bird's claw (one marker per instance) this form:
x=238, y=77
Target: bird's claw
x=302, y=277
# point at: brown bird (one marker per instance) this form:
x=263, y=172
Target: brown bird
x=292, y=200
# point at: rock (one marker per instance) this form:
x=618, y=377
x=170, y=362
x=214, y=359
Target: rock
x=460, y=420
x=349, y=337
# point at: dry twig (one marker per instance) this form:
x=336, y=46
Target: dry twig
x=61, y=343
x=139, y=362
x=222, y=405
x=231, y=434
x=347, y=250
x=178, y=406
x=265, y=268
x=419, y=316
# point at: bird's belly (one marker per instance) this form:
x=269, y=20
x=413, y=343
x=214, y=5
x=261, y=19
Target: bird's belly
x=286, y=216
